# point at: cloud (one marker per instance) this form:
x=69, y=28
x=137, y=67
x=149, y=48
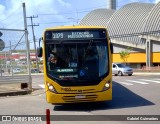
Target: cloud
x=12, y=15
x=157, y=1
x=32, y=7
x=2, y=12
x=64, y=3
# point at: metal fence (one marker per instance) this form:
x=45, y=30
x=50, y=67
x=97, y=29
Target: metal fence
x=14, y=55
x=13, y=59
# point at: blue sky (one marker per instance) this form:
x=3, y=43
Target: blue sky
x=51, y=12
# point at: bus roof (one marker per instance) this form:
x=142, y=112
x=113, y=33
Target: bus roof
x=74, y=27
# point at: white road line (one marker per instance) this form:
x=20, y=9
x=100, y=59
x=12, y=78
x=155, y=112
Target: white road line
x=151, y=81
x=157, y=79
x=125, y=83
x=138, y=82
x=42, y=85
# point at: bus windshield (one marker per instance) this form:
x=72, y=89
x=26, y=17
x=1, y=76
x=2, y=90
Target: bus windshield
x=121, y=65
x=77, y=60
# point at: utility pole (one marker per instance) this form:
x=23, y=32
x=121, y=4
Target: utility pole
x=34, y=40
x=27, y=46
x=11, y=63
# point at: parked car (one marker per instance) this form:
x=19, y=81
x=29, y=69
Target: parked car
x=17, y=70
x=121, y=69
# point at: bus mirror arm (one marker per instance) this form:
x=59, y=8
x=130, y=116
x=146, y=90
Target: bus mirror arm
x=40, y=39
x=111, y=48
x=39, y=52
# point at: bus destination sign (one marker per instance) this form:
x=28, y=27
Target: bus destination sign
x=55, y=35
x=80, y=35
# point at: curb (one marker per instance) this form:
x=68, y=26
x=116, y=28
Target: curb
x=145, y=73
x=15, y=93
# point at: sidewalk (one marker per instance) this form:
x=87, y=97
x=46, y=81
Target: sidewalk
x=14, y=85
x=12, y=90
x=9, y=89
x=146, y=73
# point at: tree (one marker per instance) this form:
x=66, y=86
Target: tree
x=124, y=54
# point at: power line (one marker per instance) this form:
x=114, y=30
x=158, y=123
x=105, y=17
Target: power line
x=84, y=10
x=78, y=11
x=10, y=14
x=19, y=44
x=54, y=22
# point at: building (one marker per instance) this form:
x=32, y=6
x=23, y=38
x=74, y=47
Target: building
x=134, y=25
x=16, y=55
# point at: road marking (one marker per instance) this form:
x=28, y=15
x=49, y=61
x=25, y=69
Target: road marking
x=157, y=79
x=150, y=80
x=125, y=83
x=42, y=85
x=138, y=82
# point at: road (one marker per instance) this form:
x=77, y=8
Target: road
x=132, y=95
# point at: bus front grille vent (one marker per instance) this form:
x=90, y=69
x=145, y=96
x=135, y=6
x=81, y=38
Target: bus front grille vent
x=84, y=98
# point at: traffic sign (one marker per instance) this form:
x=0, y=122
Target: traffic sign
x=1, y=34
x=2, y=45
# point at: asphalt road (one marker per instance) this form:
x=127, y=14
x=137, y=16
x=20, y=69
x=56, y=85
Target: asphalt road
x=132, y=95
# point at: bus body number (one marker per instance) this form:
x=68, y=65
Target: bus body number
x=66, y=89
x=57, y=35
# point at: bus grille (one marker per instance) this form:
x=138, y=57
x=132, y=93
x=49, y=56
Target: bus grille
x=87, y=98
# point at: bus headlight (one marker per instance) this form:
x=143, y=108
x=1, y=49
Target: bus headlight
x=106, y=86
x=51, y=88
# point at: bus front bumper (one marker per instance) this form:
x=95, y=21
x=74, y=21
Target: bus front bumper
x=77, y=98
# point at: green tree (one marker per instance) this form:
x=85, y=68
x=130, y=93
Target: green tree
x=124, y=54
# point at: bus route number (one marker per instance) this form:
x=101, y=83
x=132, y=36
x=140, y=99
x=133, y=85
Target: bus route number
x=57, y=35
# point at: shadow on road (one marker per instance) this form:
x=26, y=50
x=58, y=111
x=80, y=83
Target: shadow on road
x=122, y=98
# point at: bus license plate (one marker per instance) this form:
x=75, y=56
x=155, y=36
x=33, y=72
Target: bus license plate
x=80, y=97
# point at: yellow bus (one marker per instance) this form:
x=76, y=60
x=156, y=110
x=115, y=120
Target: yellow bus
x=77, y=64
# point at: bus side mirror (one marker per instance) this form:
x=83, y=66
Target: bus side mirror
x=111, y=48
x=39, y=52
